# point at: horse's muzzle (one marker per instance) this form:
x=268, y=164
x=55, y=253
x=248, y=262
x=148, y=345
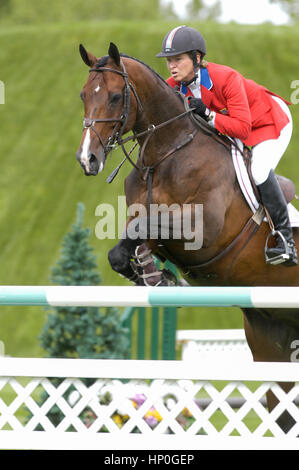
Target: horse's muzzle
x=93, y=164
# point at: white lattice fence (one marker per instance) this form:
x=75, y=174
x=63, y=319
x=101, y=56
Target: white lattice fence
x=160, y=405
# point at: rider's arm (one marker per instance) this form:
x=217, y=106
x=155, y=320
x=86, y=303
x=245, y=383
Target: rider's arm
x=237, y=123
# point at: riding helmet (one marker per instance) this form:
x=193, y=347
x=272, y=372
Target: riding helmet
x=182, y=39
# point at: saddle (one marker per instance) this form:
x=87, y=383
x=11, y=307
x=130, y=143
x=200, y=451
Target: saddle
x=287, y=185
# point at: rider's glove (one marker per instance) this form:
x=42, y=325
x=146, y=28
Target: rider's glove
x=201, y=108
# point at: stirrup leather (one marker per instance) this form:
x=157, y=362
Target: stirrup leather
x=283, y=256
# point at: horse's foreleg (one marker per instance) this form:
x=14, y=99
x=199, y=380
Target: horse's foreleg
x=120, y=259
x=138, y=265
x=120, y=256
x=132, y=259
x=148, y=272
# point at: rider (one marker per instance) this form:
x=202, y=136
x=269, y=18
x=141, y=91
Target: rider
x=242, y=109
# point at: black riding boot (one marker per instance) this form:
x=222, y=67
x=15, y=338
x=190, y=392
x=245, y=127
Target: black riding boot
x=273, y=199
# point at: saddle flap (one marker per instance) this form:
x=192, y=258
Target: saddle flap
x=287, y=187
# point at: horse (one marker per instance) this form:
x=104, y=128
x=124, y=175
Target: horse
x=180, y=162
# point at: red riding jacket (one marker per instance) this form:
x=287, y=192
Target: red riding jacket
x=244, y=109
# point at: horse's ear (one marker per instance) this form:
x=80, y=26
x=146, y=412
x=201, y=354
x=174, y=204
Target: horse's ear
x=87, y=57
x=114, y=53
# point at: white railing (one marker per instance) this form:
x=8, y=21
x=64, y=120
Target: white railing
x=144, y=404
x=202, y=344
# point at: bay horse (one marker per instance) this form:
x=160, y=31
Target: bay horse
x=181, y=163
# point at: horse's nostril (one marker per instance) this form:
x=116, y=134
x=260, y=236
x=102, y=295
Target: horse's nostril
x=93, y=163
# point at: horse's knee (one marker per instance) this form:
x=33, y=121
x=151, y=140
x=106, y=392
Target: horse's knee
x=119, y=259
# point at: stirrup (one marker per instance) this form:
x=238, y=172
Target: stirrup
x=283, y=256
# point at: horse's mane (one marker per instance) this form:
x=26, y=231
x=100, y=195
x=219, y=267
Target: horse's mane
x=103, y=61
x=146, y=65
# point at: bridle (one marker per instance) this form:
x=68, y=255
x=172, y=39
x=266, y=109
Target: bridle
x=121, y=121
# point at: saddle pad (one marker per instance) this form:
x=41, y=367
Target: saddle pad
x=247, y=190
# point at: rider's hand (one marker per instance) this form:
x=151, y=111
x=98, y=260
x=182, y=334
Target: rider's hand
x=201, y=108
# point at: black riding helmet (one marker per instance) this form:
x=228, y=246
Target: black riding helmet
x=182, y=39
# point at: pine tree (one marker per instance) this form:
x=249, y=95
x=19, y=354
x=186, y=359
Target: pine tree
x=80, y=332
x=85, y=332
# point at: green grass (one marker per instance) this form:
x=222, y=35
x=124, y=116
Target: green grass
x=40, y=179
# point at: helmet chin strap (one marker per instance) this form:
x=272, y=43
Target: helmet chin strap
x=196, y=66
x=191, y=81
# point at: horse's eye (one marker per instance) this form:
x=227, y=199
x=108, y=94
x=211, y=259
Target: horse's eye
x=115, y=98
x=82, y=95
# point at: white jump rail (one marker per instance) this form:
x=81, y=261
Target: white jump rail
x=156, y=381
x=202, y=344
x=150, y=296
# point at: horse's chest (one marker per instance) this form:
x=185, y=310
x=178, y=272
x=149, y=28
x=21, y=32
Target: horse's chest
x=155, y=192
x=159, y=194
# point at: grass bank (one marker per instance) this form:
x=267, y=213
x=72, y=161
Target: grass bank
x=41, y=120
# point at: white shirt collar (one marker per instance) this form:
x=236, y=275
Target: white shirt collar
x=195, y=87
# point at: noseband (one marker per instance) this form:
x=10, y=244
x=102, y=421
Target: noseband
x=121, y=121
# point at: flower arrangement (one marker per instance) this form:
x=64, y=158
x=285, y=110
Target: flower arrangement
x=152, y=417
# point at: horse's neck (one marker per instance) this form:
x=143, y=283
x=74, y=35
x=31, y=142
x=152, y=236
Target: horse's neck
x=159, y=105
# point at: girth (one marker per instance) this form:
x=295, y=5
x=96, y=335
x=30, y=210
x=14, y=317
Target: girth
x=220, y=265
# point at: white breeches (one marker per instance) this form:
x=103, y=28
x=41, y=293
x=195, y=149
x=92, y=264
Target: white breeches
x=266, y=155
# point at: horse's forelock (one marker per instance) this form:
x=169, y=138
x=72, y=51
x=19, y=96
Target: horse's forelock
x=102, y=61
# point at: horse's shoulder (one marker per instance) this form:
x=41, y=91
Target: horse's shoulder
x=132, y=178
